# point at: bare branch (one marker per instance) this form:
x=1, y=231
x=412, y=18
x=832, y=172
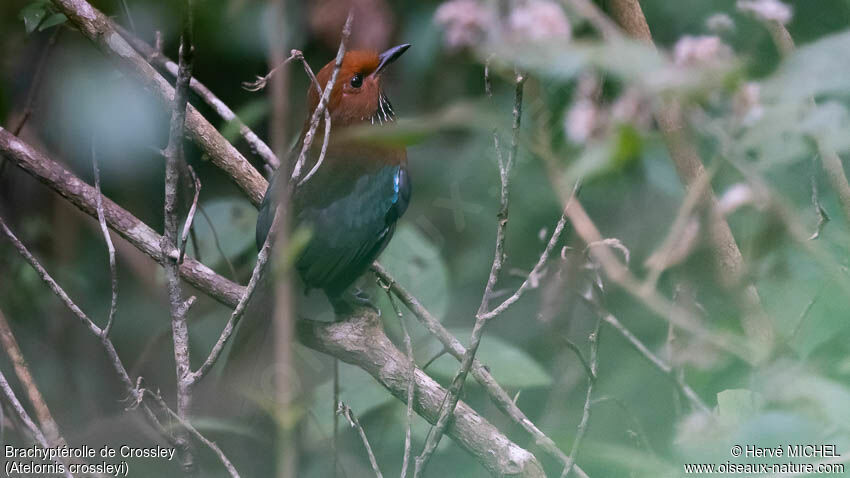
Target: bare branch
x=113, y=269
x=479, y=371
x=228, y=293
x=412, y=365
x=173, y=158
x=236, y=316
x=42, y=272
x=596, y=17
x=190, y=217
x=261, y=82
x=54, y=286
x=188, y=426
x=125, y=224
x=323, y=100
x=22, y=414
x=127, y=14
x=651, y=298
x=217, y=242
x=572, y=346
x=156, y=57
x=480, y=317
x=660, y=364
x=585, y=415
x=361, y=341
x=727, y=256
x=95, y=26
x=820, y=212
x=42, y=412
x=345, y=411
x=134, y=391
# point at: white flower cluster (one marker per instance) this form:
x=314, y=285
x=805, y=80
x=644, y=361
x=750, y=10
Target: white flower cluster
x=587, y=119
x=468, y=23
x=700, y=50
x=539, y=20
x=769, y=10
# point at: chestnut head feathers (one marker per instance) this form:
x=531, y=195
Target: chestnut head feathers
x=357, y=96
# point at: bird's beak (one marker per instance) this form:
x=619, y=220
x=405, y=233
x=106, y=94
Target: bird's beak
x=390, y=56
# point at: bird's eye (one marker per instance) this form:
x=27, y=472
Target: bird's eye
x=357, y=80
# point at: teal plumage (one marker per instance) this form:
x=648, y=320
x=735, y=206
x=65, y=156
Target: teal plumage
x=350, y=214
x=353, y=201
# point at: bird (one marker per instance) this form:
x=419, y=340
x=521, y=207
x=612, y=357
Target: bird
x=351, y=204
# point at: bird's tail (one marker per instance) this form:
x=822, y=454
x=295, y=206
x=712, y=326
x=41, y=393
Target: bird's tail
x=247, y=375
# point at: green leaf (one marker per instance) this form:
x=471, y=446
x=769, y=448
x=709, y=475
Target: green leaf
x=357, y=389
x=801, y=388
x=787, y=130
x=33, y=14
x=250, y=114
x=631, y=61
x=416, y=264
x=234, y=220
x=461, y=115
x=814, y=310
x=510, y=365
x=736, y=406
x=52, y=21
x=819, y=68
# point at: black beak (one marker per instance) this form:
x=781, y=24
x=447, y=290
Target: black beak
x=391, y=55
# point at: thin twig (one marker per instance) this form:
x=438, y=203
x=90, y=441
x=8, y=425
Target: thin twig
x=360, y=340
x=408, y=346
x=434, y=358
x=127, y=14
x=726, y=254
x=327, y=135
x=217, y=242
x=135, y=393
x=190, y=217
x=22, y=414
x=257, y=145
x=346, y=412
x=820, y=212
x=188, y=426
x=639, y=430
x=96, y=27
x=585, y=415
x=49, y=280
x=479, y=371
x=323, y=100
x=660, y=364
x=113, y=269
x=335, y=415
x=622, y=276
x=36, y=82
x=572, y=346
x=261, y=83
x=136, y=232
x=456, y=385
x=33, y=90
x=173, y=158
x=236, y=316
x=596, y=17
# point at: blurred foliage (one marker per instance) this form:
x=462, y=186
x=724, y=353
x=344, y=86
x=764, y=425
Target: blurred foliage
x=762, y=136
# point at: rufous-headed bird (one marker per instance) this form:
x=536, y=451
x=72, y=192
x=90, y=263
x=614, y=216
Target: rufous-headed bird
x=352, y=202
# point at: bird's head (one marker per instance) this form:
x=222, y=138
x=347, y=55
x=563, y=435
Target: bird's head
x=357, y=96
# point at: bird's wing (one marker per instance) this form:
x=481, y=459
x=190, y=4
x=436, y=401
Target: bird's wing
x=350, y=226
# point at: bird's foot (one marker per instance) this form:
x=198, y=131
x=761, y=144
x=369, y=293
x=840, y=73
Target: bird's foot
x=347, y=304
